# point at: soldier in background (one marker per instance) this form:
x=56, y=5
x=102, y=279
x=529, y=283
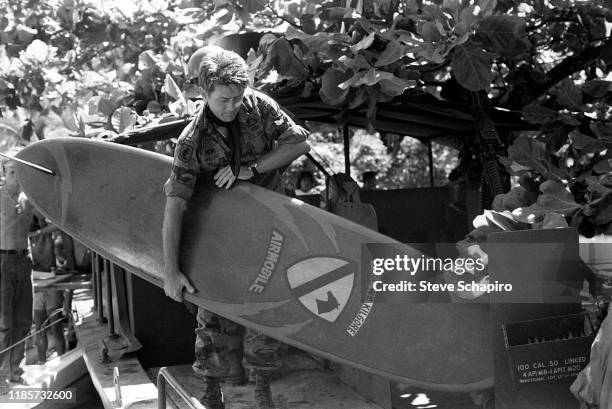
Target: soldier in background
x=15, y=276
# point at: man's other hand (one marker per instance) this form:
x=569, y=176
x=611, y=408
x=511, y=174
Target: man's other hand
x=174, y=285
x=225, y=177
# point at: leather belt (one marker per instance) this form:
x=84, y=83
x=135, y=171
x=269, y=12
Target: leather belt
x=17, y=252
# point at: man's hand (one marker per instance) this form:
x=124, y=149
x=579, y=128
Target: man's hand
x=225, y=177
x=174, y=285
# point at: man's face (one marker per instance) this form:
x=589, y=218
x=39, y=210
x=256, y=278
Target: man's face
x=225, y=101
x=9, y=175
x=306, y=184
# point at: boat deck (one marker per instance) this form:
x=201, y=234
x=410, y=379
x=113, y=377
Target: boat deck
x=137, y=387
x=58, y=373
x=303, y=382
x=304, y=389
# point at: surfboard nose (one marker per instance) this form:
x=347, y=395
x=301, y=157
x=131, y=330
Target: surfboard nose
x=44, y=191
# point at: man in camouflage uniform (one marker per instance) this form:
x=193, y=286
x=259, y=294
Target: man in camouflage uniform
x=239, y=133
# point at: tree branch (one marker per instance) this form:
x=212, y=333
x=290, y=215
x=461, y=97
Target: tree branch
x=275, y=13
x=568, y=67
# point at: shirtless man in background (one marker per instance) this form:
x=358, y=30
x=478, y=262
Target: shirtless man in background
x=15, y=276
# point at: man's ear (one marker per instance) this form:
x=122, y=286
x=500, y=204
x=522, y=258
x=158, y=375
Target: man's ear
x=203, y=92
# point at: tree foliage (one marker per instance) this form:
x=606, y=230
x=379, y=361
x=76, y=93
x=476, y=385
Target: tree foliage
x=69, y=68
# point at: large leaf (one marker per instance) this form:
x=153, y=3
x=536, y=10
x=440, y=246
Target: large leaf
x=53, y=76
x=430, y=33
x=123, y=119
x=452, y=6
x=330, y=92
x=606, y=53
x=281, y=56
x=569, y=95
x=253, y=6
x=92, y=79
x=106, y=107
x=364, y=44
x=554, y=221
x=312, y=42
x=586, y=143
x=606, y=180
x=25, y=33
x=517, y=197
x=529, y=153
x=394, y=86
x=487, y=7
x=569, y=119
x=599, y=208
x=513, y=168
x=466, y=21
x=359, y=63
x=393, y=52
x=338, y=13
x=37, y=52
x=603, y=167
x=502, y=34
x=531, y=214
x=597, y=88
x=390, y=85
x=556, y=198
x=366, y=77
x=432, y=53
x=358, y=99
x=147, y=60
x=603, y=130
x=171, y=89
x=502, y=220
x=472, y=68
x=70, y=119
x=536, y=114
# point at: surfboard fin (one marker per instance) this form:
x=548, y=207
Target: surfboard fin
x=32, y=165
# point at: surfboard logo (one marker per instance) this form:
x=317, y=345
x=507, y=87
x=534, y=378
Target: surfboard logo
x=322, y=284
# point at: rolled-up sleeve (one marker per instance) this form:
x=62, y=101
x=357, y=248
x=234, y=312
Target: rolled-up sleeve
x=278, y=125
x=185, y=167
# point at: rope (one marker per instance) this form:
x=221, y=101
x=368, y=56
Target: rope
x=36, y=332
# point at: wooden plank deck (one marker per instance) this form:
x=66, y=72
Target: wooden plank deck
x=302, y=383
x=59, y=373
x=305, y=389
x=136, y=389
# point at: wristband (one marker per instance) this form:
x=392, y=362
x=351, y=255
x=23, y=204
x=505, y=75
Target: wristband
x=253, y=168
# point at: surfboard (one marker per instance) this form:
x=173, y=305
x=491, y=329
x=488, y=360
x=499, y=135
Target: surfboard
x=269, y=262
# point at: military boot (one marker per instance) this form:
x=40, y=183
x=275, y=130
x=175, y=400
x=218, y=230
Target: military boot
x=213, y=397
x=263, y=394
x=234, y=375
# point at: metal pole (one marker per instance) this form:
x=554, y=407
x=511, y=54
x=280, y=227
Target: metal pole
x=97, y=266
x=347, y=159
x=95, y=284
x=165, y=376
x=431, y=166
x=109, y=299
x=317, y=164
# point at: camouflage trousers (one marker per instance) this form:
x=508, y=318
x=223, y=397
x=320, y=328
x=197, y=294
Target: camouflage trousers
x=222, y=346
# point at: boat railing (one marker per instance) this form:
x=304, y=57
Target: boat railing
x=165, y=377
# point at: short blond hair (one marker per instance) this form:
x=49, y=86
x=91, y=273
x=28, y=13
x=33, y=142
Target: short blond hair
x=223, y=68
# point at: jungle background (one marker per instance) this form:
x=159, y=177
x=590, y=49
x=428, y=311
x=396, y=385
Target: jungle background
x=100, y=68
